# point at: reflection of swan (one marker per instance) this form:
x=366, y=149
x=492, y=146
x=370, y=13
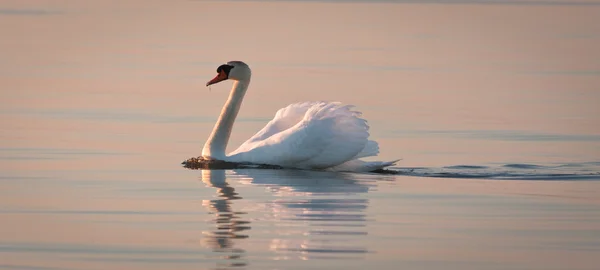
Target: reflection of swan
x=229, y=224
x=309, y=135
x=304, y=182
x=314, y=214
x=309, y=212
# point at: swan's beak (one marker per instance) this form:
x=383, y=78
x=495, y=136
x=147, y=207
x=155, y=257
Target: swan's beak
x=220, y=77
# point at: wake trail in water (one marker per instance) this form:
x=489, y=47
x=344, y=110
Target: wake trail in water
x=585, y=171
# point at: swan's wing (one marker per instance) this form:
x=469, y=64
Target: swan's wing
x=287, y=148
x=284, y=118
x=328, y=134
x=371, y=149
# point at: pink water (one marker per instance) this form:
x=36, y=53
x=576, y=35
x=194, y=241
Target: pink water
x=493, y=108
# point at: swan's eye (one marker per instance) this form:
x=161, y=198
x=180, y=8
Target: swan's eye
x=224, y=68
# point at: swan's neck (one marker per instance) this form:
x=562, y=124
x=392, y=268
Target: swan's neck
x=215, y=147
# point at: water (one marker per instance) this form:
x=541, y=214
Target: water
x=492, y=106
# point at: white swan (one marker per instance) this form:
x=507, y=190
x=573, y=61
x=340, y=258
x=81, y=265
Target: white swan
x=308, y=135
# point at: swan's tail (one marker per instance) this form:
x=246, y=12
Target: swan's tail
x=357, y=165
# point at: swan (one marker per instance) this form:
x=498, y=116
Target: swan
x=308, y=135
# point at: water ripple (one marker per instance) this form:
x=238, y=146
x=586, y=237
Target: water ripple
x=511, y=171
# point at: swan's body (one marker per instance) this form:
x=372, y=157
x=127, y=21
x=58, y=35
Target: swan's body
x=308, y=135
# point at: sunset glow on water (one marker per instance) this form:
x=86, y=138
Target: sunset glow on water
x=491, y=105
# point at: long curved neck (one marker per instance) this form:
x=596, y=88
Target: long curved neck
x=215, y=146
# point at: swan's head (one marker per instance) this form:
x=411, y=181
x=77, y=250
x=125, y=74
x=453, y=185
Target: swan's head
x=233, y=70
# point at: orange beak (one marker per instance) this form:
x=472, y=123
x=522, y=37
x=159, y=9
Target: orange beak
x=220, y=77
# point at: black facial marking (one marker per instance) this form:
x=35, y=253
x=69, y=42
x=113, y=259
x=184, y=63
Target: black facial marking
x=224, y=68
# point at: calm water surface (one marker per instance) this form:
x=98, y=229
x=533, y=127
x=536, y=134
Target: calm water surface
x=493, y=107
